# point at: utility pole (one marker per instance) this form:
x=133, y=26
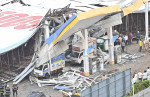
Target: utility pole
x=111, y=46
x=127, y=25
x=86, y=58
x=146, y=21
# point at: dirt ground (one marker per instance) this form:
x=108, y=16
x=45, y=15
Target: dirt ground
x=25, y=88
x=138, y=64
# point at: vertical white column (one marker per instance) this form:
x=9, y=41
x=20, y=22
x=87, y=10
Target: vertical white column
x=86, y=58
x=133, y=88
x=46, y=28
x=102, y=64
x=111, y=46
x=46, y=35
x=146, y=21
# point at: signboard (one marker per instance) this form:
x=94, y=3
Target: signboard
x=18, y=24
x=57, y=62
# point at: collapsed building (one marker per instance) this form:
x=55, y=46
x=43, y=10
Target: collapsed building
x=13, y=61
x=16, y=57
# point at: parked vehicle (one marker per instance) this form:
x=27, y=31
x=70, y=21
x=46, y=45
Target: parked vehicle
x=56, y=63
x=76, y=55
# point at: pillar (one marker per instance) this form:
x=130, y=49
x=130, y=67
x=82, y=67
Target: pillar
x=86, y=58
x=111, y=46
x=146, y=21
x=46, y=28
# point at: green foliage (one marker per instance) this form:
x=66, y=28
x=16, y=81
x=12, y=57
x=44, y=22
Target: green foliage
x=139, y=86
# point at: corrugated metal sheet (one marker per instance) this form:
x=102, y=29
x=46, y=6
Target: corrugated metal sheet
x=59, y=48
x=116, y=86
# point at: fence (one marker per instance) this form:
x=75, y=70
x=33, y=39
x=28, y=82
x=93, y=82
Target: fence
x=144, y=93
x=116, y=86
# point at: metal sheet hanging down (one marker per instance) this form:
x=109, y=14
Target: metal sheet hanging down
x=85, y=20
x=59, y=48
x=112, y=21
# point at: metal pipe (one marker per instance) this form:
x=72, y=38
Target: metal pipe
x=126, y=24
x=146, y=21
x=8, y=63
x=25, y=74
x=18, y=57
x=23, y=51
x=129, y=24
x=140, y=23
x=12, y=59
x=137, y=27
x=25, y=70
x=1, y=62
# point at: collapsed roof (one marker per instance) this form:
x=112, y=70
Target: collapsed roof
x=18, y=23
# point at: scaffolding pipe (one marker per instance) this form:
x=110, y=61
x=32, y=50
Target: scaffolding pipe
x=12, y=59
x=137, y=27
x=25, y=70
x=126, y=24
x=1, y=62
x=24, y=75
x=140, y=22
x=18, y=56
x=23, y=51
x=146, y=21
x=8, y=63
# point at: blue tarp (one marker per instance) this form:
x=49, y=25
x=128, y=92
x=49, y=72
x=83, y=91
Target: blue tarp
x=114, y=38
x=89, y=49
x=56, y=34
x=64, y=88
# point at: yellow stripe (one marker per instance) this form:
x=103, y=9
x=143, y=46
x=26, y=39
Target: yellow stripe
x=88, y=14
x=66, y=29
x=99, y=11
x=57, y=61
x=133, y=7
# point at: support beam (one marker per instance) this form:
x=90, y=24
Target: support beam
x=1, y=62
x=22, y=51
x=127, y=25
x=12, y=60
x=46, y=27
x=86, y=58
x=146, y=21
x=46, y=35
x=111, y=47
x=18, y=57
x=8, y=63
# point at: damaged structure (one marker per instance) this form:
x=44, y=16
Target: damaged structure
x=46, y=39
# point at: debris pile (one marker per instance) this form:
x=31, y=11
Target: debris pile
x=68, y=81
x=129, y=57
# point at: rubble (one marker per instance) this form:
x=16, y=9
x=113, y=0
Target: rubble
x=130, y=57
